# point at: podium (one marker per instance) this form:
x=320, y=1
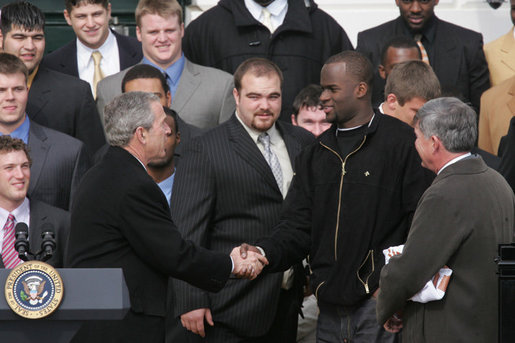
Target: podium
x=89, y=294
x=506, y=266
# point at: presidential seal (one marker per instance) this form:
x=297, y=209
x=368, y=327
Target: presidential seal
x=34, y=289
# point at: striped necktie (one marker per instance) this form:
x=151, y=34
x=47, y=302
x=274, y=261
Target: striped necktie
x=9, y=254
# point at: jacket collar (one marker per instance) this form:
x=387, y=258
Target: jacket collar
x=297, y=17
x=329, y=136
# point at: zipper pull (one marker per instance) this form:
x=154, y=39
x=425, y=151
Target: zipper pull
x=343, y=168
x=366, y=288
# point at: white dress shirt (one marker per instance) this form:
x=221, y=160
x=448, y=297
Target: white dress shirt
x=110, y=62
x=277, y=9
x=21, y=215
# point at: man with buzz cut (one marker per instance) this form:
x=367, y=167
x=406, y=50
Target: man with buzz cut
x=58, y=101
x=98, y=51
x=201, y=95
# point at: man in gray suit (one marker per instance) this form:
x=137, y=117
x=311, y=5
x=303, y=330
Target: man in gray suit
x=15, y=207
x=201, y=95
x=58, y=160
x=459, y=222
x=229, y=188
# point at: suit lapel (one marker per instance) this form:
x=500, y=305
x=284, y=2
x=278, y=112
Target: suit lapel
x=125, y=52
x=446, y=57
x=39, y=94
x=188, y=83
x=508, y=45
x=292, y=145
x=38, y=152
x=69, y=60
x=511, y=103
x=248, y=151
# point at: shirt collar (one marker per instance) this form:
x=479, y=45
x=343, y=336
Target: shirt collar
x=31, y=77
x=275, y=8
x=22, y=131
x=254, y=134
x=454, y=160
x=83, y=50
x=173, y=72
x=21, y=213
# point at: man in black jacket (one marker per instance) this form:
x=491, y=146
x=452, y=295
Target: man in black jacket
x=121, y=219
x=299, y=38
x=353, y=195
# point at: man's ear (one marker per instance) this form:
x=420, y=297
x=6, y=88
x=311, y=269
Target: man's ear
x=294, y=120
x=67, y=17
x=391, y=103
x=382, y=72
x=361, y=90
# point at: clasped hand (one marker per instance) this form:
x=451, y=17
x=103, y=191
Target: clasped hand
x=248, y=261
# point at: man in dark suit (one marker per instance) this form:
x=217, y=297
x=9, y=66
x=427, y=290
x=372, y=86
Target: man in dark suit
x=455, y=53
x=90, y=22
x=121, y=219
x=56, y=100
x=229, y=188
x=58, y=160
x=14, y=182
x=462, y=217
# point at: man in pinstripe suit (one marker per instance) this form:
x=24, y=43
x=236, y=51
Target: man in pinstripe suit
x=229, y=189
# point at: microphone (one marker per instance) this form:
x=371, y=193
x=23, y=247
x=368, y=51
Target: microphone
x=48, y=242
x=22, y=244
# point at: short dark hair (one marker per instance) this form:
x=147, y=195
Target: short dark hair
x=173, y=114
x=10, y=64
x=70, y=4
x=145, y=71
x=9, y=144
x=258, y=67
x=356, y=64
x=308, y=96
x=21, y=14
x=399, y=42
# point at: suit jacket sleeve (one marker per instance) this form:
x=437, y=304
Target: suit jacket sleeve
x=291, y=238
x=406, y=274
x=192, y=205
x=175, y=256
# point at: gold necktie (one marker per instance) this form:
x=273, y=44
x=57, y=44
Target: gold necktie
x=98, y=75
x=267, y=20
x=423, y=52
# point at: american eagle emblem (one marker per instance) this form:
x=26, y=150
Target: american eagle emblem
x=33, y=286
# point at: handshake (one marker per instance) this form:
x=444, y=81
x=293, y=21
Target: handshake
x=248, y=261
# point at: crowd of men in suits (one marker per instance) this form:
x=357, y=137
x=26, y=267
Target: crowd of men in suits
x=165, y=154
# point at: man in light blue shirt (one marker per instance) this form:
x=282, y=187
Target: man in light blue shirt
x=163, y=170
